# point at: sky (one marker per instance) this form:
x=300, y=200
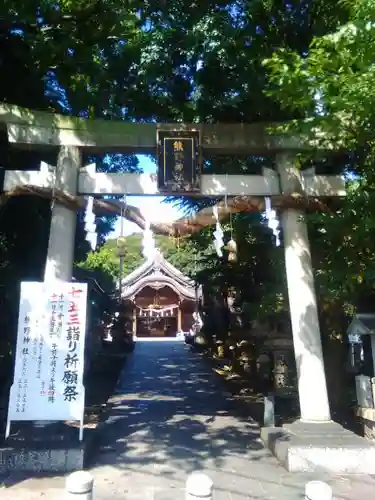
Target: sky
x=151, y=206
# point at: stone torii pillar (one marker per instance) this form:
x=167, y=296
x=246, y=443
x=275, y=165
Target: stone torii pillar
x=64, y=177
x=312, y=385
x=60, y=255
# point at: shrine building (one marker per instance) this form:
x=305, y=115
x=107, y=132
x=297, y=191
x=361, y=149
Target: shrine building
x=161, y=298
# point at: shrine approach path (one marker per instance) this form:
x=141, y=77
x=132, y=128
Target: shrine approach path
x=171, y=416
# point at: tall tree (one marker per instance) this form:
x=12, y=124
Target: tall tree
x=331, y=86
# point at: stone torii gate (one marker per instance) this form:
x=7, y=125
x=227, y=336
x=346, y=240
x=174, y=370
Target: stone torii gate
x=73, y=136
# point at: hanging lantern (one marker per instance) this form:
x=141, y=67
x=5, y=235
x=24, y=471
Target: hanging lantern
x=232, y=249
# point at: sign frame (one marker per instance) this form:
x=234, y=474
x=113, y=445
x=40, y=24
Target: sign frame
x=52, y=321
x=183, y=176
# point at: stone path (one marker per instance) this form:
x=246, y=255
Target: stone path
x=170, y=416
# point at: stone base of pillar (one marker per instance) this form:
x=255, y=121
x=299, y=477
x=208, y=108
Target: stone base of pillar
x=313, y=447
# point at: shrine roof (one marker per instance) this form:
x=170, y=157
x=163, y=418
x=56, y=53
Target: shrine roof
x=156, y=273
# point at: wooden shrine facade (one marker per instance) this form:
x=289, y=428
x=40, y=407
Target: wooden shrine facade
x=161, y=297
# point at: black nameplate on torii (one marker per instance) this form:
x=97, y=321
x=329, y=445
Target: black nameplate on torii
x=179, y=165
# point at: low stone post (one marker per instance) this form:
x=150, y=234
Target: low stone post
x=198, y=486
x=269, y=410
x=79, y=486
x=317, y=490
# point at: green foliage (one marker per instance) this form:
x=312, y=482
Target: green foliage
x=104, y=260
x=182, y=255
x=258, y=274
x=180, y=60
x=332, y=87
x=333, y=83
x=343, y=248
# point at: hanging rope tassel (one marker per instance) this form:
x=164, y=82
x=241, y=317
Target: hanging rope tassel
x=273, y=221
x=90, y=226
x=218, y=233
x=148, y=242
x=219, y=239
x=232, y=245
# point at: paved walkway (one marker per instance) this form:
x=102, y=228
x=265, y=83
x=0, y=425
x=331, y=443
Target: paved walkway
x=170, y=417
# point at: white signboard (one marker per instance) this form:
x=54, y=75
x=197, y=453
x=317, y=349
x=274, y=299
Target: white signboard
x=48, y=374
